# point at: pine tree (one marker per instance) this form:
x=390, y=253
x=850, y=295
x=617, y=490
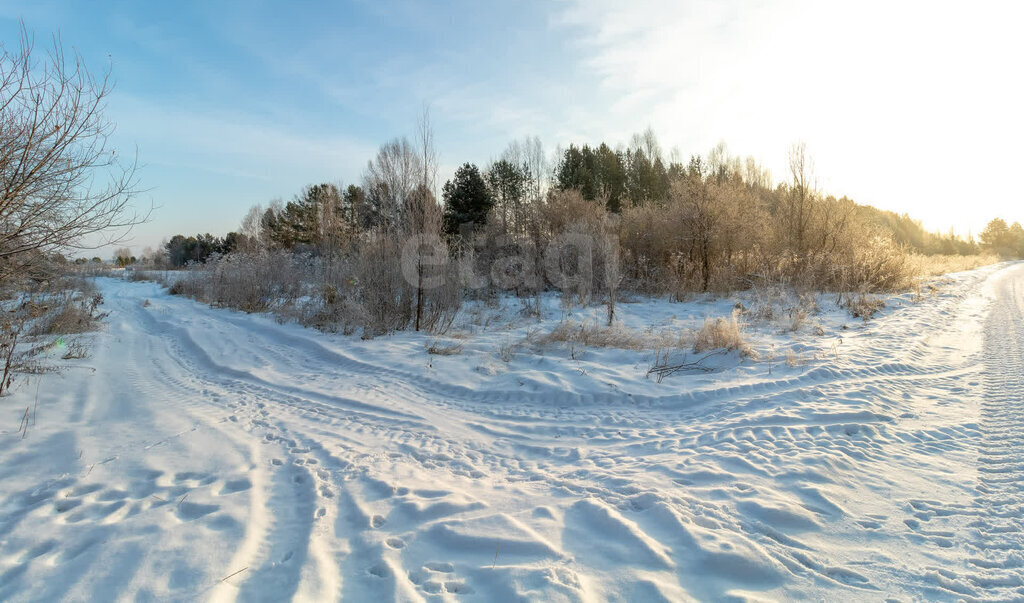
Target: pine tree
x=507, y=183
x=466, y=200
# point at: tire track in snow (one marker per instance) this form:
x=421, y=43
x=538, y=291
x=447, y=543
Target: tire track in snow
x=998, y=529
x=744, y=485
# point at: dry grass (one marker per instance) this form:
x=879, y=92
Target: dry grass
x=615, y=336
x=439, y=348
x=67, y=314
x=937, y=265
x=774, y=301
x=137, y=276
x=75, y=349
x=507, y=350
x=769, y=300
x=60, y=307
x=186, y=286
x=864, y=306
x=724, y=334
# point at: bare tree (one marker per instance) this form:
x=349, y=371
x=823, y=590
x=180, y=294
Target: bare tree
x=251, y=228
x=612, y=264
x=390, y=179
x=647, y=143
x=718, y=160
x=800, y=204
x=428, y=153
x=536, y=163
x=701, y=216
x=422, y=219
x=755, y=175
x=61, y=184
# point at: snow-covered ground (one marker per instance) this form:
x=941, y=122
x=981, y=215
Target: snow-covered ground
x=207, y=454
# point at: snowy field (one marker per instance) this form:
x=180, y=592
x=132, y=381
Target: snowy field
x=206, y=454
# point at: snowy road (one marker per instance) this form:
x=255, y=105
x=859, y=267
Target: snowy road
x=216, y=455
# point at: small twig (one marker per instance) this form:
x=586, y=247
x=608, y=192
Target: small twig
x=495, y=562
x=24, y=424
x=234, y=574
x=665, y=370
x=35, y=405
x=21, y=425
x=183, y=498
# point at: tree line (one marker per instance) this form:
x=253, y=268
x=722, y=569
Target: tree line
x=650, y=223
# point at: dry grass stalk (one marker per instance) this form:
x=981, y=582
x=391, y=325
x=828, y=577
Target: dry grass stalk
x=722, y=333
x=937, y=265
x=615, y=336
x=438, y=348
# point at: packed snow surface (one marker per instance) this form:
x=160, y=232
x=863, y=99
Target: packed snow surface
x=206, y=454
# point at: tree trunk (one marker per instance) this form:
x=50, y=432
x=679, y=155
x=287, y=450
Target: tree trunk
x=705, y=267
x=419, y=293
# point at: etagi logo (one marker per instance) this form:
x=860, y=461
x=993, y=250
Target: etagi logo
x=566, y=263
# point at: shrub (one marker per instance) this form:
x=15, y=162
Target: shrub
x=385, y=296
x=722, y=333
x=187, y=285
x=66, y=314
x=863, y=305
x=57, y=308
x=75, y=349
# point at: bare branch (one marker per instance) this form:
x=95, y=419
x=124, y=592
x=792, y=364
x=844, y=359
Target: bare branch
x=61, y=184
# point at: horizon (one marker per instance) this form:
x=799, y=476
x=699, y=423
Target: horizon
x=229, y=107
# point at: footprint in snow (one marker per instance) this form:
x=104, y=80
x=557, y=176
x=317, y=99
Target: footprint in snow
x=379, y=570
x=457, y=587
x=188, y=511
x=233, y=486
x=66, y=504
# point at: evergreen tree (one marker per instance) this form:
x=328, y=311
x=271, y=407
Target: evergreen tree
x=353, y=205
x=599, y=174
x=181, y=249
x=466, y=199
x=577, y=171
x=611, y=177
x=1017, y=239
x=1004, y=240
x=313, y=218
x=508, y=184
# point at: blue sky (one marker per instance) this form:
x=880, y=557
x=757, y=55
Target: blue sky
x=236, y=103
